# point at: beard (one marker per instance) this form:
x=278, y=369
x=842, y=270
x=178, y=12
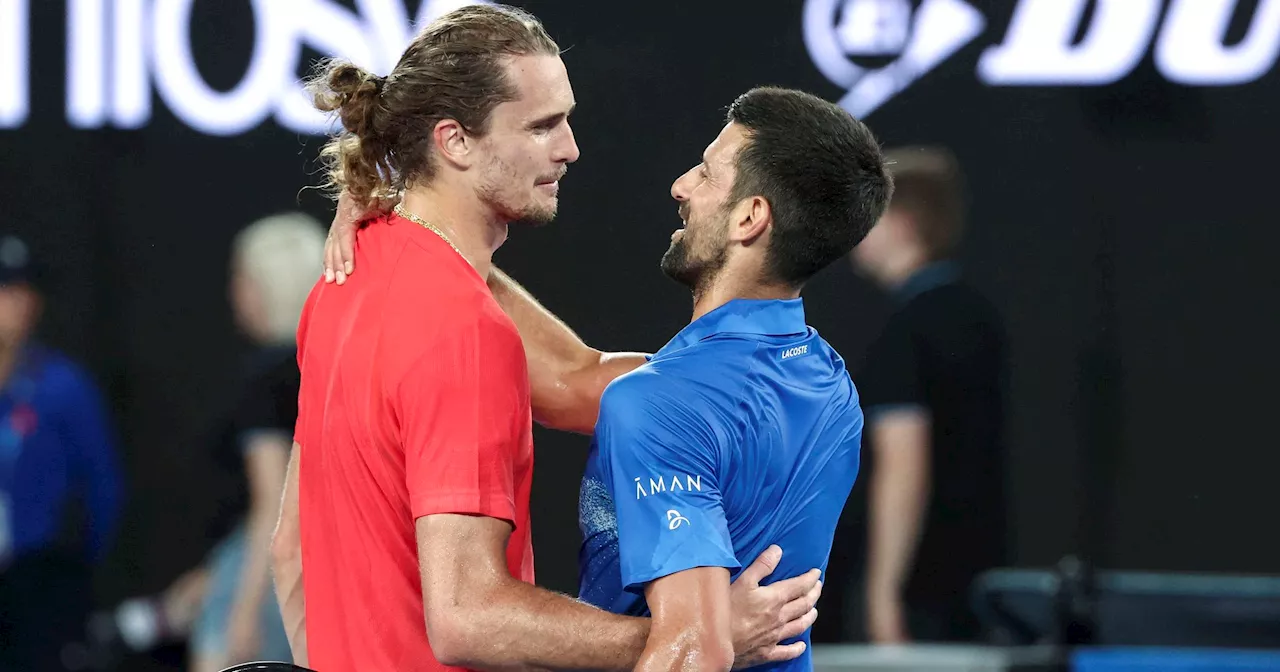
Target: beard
x=692, y=267
x=536, y=214
x=514, y=204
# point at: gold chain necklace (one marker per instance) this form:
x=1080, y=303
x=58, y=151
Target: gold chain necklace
x=400, y=210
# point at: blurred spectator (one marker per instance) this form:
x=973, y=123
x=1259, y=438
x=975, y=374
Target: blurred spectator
x=226, y=606
x=931, y=511
x=60, y=491
x=275, y=263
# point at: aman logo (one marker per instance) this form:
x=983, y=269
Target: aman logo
x=672, y=484
x=1039, y=46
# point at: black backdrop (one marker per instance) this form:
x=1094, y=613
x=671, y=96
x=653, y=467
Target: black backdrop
x=1135, y=220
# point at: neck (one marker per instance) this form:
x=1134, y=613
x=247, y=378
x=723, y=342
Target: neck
x=723, y=290
x=473, y=227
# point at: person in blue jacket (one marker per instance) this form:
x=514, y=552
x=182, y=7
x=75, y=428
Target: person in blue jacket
x=60, y=488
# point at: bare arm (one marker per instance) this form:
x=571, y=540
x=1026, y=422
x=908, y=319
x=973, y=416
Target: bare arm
x=566, y=376
x=479, y=616
x=286, y=551
x=899, y=497
x=691, y=622
x=266, y=463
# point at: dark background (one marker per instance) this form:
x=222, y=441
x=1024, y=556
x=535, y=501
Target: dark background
x=1134, y=221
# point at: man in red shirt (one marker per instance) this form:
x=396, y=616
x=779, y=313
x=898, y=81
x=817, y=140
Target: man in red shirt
x=408, y=487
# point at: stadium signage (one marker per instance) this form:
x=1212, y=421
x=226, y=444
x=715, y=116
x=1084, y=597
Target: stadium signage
x=1039, y=46
x=121, y=51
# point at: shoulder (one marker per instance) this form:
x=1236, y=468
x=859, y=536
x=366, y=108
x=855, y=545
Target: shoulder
x=449, y=311
x=483, y=323
x=60, y=378
x=957, y=311
x=949, y=302
x=424, y=278
x=58, y=370
x=658, y=384
x=705, y=379
x=474, y=341
x=422, y=256
x=663, y=397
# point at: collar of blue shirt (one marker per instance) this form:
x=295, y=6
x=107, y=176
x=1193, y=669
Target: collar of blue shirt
x=764, y=317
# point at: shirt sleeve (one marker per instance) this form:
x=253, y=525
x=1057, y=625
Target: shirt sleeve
x=890, y=379
x=269, y=404
x=663, y=462
x=460, y=408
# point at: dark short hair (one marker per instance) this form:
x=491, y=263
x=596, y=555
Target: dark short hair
x=453, y=69
x=930, y=190
x=821, y=171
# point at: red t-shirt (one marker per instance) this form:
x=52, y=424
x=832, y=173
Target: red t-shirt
x=414, y=401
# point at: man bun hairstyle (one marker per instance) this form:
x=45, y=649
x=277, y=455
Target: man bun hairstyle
x=454, y=69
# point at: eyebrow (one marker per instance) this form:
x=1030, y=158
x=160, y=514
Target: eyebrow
x=547, y=120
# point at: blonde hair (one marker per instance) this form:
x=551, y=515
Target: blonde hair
x=281, y=256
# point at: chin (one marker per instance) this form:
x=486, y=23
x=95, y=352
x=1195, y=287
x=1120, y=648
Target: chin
x=675, y=265
x=539, y=215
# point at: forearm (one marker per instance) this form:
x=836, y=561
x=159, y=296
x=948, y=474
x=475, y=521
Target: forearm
x=686, y=650
x=286, y=564
x=566, y=376
x=519, y=625
x=183, y=598
x=898, y=500
x=293, y=611
x=691, y=629
x=255, y=573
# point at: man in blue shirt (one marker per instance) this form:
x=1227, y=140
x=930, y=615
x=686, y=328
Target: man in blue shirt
x=57, y=459
x=744, y=431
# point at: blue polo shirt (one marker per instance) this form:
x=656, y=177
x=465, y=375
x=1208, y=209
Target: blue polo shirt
x=743, y=431
x=56, y=446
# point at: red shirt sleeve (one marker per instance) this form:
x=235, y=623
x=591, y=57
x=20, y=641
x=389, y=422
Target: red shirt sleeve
x=459, y=408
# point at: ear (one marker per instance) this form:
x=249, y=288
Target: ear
x=749, y=220
x=454, y=144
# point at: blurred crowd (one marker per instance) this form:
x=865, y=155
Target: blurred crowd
x=926, y=517
x=60, y=497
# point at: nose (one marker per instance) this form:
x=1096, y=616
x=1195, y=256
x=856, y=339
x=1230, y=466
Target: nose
x=680, y=188
x=567, y=150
